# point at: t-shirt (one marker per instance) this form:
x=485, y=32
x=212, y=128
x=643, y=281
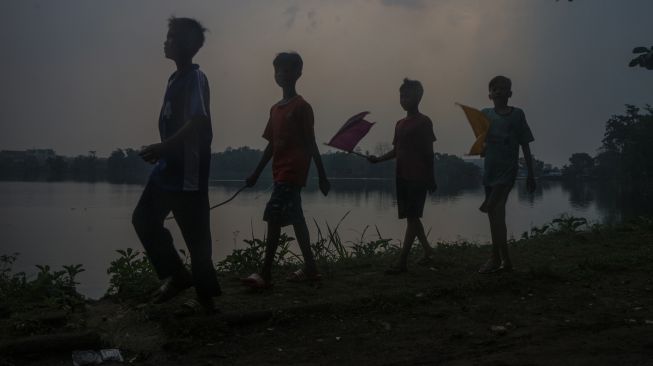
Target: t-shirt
x=505, y=135
x=290, y=131
x=413, y=142
x=185, y=166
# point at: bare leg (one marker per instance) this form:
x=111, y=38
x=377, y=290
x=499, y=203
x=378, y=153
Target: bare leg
x=500, y=235
x=421, y=236
x=498, y=231
x=409, y=238
x=274, y=231
x=496, y=205
x=304, y=241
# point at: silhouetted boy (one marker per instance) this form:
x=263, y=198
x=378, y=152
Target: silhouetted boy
x=413, y=149
x=291, y=145
x=179, y=181
x=507, y=132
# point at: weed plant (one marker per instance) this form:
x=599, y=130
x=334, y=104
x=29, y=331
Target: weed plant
x=54, y=289
x=131, y=276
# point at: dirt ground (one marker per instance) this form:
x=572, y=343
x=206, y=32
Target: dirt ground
x=574, y=299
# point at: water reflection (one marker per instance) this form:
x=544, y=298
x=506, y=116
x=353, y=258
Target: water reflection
x=616, y=202
x=69, y=223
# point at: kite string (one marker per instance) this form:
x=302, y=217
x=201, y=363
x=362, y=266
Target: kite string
x=231, y=198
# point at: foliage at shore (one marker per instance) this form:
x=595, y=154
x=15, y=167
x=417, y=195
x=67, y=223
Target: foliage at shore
x=580, y=294
x=625, y=154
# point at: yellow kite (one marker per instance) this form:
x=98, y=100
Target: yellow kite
x=480, y=124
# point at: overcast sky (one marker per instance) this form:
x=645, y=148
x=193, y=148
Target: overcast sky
x=82, y=75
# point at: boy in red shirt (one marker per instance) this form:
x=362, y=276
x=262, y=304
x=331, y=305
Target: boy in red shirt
x=291, y=146
x=413, y=149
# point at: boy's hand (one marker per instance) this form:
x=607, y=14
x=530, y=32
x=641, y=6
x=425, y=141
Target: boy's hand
x=373, y=159
x=530, y=184
x=325, y=186
x=251, y=180
x=152, y=153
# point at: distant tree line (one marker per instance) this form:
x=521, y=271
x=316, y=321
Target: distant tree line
x=625, y=154
x=125, y=166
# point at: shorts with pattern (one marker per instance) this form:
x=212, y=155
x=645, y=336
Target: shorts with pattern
x=285, y=205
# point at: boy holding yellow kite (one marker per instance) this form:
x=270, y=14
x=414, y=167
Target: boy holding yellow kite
x=500, y=131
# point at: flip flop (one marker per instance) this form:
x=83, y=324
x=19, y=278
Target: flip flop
x=301, y=276
x=255, y=281
x=193, y=307
x=170, y=288
x=488, y=268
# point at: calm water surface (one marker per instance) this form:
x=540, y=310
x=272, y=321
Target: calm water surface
x=70, y=223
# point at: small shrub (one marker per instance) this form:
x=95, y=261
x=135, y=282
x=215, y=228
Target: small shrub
x=50, y=288
x=131, y=276
x=250, y=259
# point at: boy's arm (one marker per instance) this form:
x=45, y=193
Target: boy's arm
x=153, y=152
x=387, y=156
x=528, y=157
x=309, y=137
x=196, y=114
x=267, y=155
x=324, y=184
x=526, y=137
x=429, y=156
x=432, y=186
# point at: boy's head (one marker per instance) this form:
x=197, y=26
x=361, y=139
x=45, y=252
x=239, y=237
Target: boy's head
x=185, y=37
x=410, y=94
x=287, y=68
x=500, y=88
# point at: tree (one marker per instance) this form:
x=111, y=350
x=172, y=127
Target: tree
x=56, y=168
x=116, y=167
x=644, y=59
x=581, y=166
x=626, y=152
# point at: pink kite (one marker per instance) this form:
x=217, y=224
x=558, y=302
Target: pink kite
x=351, y=133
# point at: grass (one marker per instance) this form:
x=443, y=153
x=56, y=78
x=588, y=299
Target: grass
x=581, y=294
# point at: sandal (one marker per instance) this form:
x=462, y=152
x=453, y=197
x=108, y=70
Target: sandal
x=490, y=267
x=255, y=281
x=171, y=287
x=301, y=276
x=193, y=307
x=505, y=268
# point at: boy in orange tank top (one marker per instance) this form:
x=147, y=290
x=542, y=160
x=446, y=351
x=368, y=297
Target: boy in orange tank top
x=291, y=146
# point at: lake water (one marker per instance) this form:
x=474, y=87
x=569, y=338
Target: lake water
x=70, y=223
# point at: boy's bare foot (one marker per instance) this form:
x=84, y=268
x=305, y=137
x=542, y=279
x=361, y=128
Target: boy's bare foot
x=491, y=266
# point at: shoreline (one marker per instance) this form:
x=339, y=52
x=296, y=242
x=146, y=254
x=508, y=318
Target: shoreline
x=580, y=294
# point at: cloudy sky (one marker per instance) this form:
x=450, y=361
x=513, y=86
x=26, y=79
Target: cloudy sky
x=82, y=75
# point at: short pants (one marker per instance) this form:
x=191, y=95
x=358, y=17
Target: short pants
x=411, y=196
x=285, y=205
